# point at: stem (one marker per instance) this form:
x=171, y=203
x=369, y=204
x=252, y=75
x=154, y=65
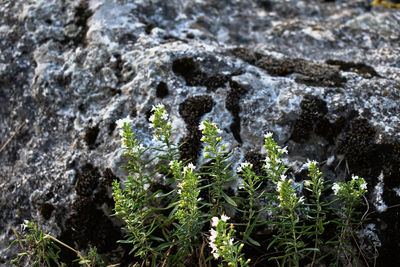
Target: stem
x=294, y=237
x=70, y=248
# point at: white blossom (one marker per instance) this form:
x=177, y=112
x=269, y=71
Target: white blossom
x=355, y=177
x=214, y=221
x=363, y=186
x=120, y=123
x=279, y=186
x=190, y=166
x=159, y=105
x=307, y=183
x=336, y=188
x=202, y=126
x=224, y=218
x=243, y=165
x=267, y=135
x=301, y=200
x=310, y=162
x=283, y=177
x=283, y=150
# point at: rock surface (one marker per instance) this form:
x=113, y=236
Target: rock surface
x=323, y=76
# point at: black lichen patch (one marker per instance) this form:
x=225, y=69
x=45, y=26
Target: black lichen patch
x=194, y=76
x=46, y=209
x=313, y=74
x=357, y=143
x=191, y=110
x=360, y=68
x=313, y=109
x=245, y=55
x=87, y=181
x=91, y=136
x=88, y=225
x=162, y=90
x=232, y=104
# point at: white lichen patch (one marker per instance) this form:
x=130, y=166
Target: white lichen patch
x=377, y=195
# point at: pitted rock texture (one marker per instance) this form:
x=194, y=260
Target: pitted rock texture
x=323, y=76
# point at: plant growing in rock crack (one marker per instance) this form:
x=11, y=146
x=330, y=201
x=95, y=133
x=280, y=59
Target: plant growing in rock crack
x=222, y=243
x=317, y=208
x=350, y=197
x=40, y=248
x=219, y=168
x=176, y=238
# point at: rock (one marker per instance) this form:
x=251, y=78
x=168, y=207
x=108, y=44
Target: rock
x=323, y=76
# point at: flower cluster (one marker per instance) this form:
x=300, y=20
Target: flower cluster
x=160, y=123
x=287, y=196
x=273, y=161
x=353, y=189
x=222, y=243
x=210, y=137
x=188, y=191
x=125, y=129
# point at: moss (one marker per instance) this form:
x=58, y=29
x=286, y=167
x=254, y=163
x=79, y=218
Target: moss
x=91, y=136
x=313, y=109
x=360, y=68
x=162, y=90
x=313, y=74
x=191, y=110
x=87, y=224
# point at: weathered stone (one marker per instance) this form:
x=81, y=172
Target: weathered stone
x=323, y=76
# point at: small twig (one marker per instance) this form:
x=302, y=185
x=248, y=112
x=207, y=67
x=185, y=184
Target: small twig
x=12, y=136
x=65, y=245
x=359, y=248
x=366, y=212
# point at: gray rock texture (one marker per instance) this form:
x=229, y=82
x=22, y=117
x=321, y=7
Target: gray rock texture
x=323, y=76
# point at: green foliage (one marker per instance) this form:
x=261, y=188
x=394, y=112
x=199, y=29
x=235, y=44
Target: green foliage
x=172, y=226
x=36, y=246
x=298, y=223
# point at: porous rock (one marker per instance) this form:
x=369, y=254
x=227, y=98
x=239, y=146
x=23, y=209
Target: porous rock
x=323, y=76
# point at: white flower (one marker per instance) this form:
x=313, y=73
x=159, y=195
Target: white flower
x=216, y=255
x=243, y=165
x=336, y=188
x=190, y=167
x=151, y=119
x=224, y=218
x=202, y=126
x=355, y=177
x=307, y=183
x=164, y=116
x=283, y=150
x=283, y=177
x=301, y=200
x=311, y=162
x=363, y=185
x=279, y=186
x=159, y=105
x=120, y=123
x=214, y=221
x=231, y=241
x=179, y=192
x=267, y=135
x=213, y=235
x=180, y=185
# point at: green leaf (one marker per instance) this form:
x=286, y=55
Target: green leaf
x=252, y=241
x=228, y=199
